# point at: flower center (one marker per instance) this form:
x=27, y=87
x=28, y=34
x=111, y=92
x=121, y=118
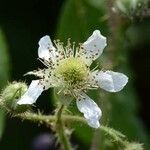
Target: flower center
x=73, y=71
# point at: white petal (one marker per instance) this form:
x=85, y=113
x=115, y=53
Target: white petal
x=90, y=109
x=94, y=46
x=46, y=49
x=111, y=81
x=34, y=91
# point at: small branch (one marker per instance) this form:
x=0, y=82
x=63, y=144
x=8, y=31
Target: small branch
x=60, y=120
x=49, y=119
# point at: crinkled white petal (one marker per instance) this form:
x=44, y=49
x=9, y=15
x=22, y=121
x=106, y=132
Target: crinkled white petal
x=90, y=109
x=34, y=91
x=94, y=46
x=46, y=49
x=111, y=81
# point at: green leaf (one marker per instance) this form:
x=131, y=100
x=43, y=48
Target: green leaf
x=4, y=73
x=79, y=19
x=2, y=122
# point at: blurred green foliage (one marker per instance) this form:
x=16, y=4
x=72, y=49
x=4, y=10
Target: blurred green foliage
x=2, y=122
x=79, y=18
x=4, y=73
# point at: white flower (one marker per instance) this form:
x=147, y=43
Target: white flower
x=68, y=68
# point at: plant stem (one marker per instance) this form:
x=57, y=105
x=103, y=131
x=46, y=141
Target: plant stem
x=116, y=136
x=60, y=120
x=48, y=119
x=61, y=130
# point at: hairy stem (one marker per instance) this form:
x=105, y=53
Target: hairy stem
x=49, y=119
x=59, y=120
x=60, y=129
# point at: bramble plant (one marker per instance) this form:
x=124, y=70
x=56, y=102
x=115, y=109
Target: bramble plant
x=68, y=70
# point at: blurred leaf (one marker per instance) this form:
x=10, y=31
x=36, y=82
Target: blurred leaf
x=2, y=122
x=4, y=73
x=136, y=33
x=79, y=19
x=4, y=63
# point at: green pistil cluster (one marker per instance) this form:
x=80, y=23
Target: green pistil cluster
x=73, y=71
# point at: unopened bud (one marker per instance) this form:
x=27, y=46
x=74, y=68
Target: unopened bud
x=11, y=94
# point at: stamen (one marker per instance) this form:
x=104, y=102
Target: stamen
x=73, y=49
x=60, y=48
x=68, y=48
x=44, y=62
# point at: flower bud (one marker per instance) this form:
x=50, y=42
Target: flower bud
x=11, y=94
